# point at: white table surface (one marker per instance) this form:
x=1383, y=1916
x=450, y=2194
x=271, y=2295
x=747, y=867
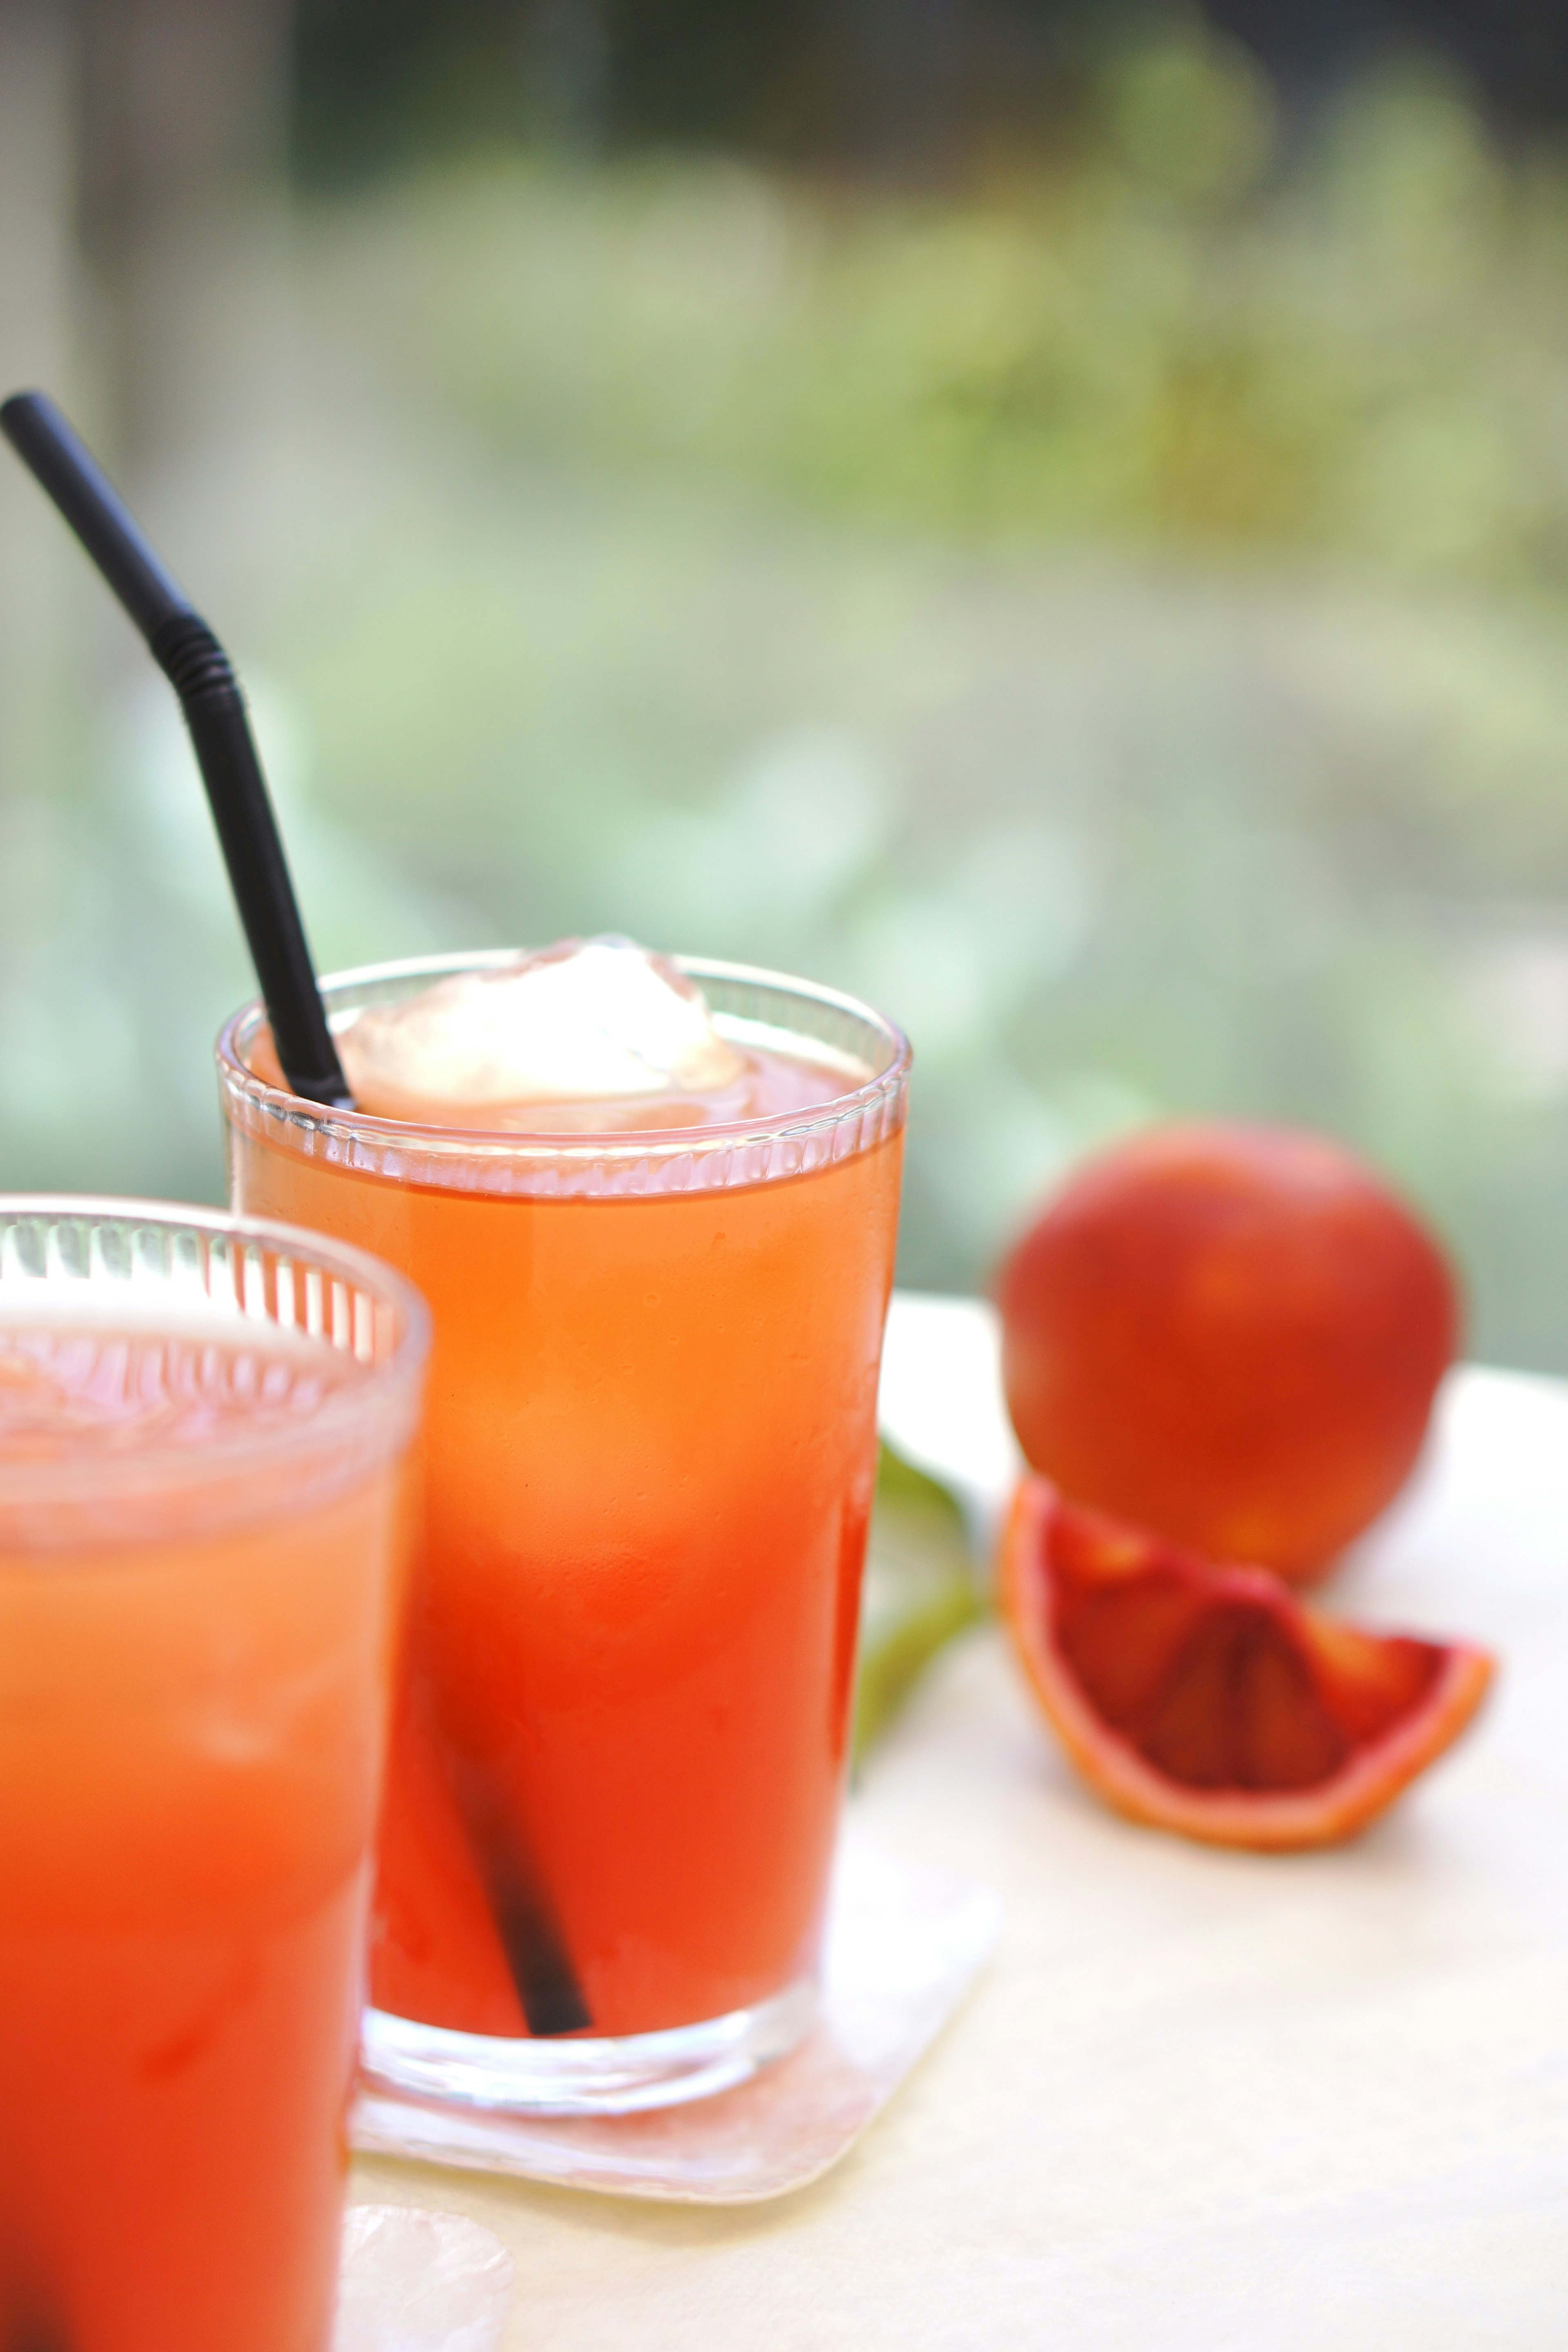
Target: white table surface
x=1202, y=2100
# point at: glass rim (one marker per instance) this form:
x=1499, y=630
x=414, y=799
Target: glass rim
x=623, y=1145
x=347, y=1416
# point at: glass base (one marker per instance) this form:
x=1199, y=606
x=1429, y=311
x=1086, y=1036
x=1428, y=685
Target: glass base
x=585, y=2076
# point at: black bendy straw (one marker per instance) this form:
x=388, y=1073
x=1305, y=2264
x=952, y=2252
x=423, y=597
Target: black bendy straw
x=201, y=674
x=196, y=665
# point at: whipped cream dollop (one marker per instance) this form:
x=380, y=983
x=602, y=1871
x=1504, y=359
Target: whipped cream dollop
x=585, y=1022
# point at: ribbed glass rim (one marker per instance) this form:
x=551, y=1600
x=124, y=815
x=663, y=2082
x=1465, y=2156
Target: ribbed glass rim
x=622, y=1148
x=170, y=1268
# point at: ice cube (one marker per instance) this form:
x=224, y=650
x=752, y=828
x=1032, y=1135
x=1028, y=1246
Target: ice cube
x=585, y=1021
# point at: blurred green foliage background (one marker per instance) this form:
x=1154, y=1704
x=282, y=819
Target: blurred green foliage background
x=1104, y=602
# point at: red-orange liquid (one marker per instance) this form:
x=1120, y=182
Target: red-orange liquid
x=191, y=1731
x=649, y=1453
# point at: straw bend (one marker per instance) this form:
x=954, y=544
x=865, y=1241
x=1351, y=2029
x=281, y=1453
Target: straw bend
x=191, y=657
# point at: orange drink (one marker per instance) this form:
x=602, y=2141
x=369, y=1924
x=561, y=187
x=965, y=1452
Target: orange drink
x=648, y=1463
x=200, y=1427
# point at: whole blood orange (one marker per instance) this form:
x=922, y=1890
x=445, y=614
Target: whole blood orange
x=1211, y=1700
x=1232, y=1334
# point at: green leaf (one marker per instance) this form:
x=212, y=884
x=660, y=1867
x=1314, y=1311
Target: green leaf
x=923, y=1588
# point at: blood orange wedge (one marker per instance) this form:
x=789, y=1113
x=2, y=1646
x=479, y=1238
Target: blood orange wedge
x=1210, y=1700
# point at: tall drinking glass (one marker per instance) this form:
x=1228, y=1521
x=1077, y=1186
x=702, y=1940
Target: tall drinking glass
x=648, y=1464
x=202, y=1503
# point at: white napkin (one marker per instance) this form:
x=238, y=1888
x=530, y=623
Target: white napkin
x=902, y=1949
x=416, y=2281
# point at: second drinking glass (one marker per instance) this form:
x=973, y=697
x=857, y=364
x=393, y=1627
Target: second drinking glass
x=202, y=1502
x=648, y=1462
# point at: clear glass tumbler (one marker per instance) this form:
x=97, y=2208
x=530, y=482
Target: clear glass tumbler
x=648, y=1463
x=202, y=1531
